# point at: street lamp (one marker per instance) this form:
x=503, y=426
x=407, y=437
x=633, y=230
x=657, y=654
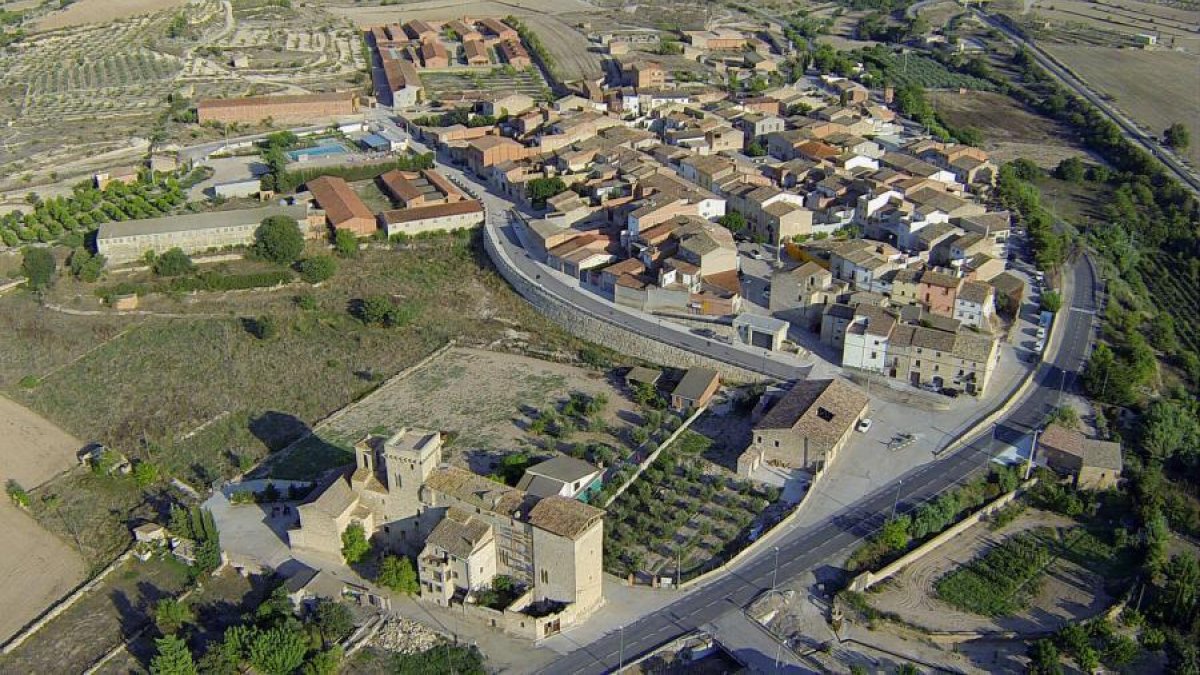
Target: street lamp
x=775, y=574
x=896, y=500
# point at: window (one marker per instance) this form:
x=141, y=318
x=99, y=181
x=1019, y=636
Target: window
x=777, y=444
x=545, y=577
x=874, y=355
x=918, y=363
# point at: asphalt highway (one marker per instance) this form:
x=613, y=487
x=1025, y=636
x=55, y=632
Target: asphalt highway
x=809, y=549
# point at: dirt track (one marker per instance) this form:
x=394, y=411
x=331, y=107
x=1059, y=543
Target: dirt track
x=36, y=568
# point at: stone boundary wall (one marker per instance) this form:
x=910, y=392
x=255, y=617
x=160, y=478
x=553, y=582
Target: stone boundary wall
x=583, y=324
x=64, y=604
x=868, y=579
x=654, y=455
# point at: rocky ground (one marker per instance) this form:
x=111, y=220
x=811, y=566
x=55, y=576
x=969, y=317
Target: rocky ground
x=405, y=637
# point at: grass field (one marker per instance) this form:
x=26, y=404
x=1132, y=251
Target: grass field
x=1155, y=88
x=1009, y=130
x=146, y=391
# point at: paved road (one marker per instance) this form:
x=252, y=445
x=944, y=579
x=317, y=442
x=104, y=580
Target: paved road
x=743, y=356
x=1131, y=131
x=809, y=549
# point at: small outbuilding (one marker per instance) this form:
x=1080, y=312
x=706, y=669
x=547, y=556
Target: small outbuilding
x=695, y=390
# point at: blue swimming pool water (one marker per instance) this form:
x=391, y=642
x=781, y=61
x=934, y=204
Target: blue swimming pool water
x=324, y=149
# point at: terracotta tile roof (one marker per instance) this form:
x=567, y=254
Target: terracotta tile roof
x=340, y=202
x=975, y=291
x=435, y=211
x=1092, y=452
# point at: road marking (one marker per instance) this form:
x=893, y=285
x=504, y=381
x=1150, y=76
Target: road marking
x=1083, y=311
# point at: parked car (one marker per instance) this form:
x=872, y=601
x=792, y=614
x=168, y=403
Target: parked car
x=864, y=425
x=753, y=254
x=929, y=386
x=1041, y=332
x=1039, y=346
x=950, y=391
x=705, y=332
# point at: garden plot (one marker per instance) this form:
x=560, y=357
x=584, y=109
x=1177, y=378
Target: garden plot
x=684, y=516
x=451, y=85
x=1068, y=588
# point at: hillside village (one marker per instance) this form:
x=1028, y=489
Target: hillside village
x=780, y=283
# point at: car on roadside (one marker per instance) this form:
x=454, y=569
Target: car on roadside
x=950, y=392
x=1039, y=346
x=929, y=386
x=754, y=254
x=704, y=332
x=863, y=426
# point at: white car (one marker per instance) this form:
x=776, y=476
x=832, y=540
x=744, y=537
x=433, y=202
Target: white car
x=1041, y=333
x=753, y=254
x=864, y=425
x=1041, y=344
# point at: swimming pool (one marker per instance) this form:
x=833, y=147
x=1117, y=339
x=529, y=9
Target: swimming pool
x=322, y=149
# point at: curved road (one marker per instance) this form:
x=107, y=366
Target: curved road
x=810, y=548
x=1128, y=128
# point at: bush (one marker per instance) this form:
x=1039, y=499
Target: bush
x=17, y=494
x=264, y=327
x=316, y=269
x=380, y=310
x=173, y=263
x=145, y=474
x=345, y=243
x=278, y=240
x=85, y=266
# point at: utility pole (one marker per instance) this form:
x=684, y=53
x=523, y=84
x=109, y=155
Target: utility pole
x=1032, y=449
x=621, y=654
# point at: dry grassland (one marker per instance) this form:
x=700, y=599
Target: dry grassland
x=1009, y=130
x=1155, y=88
x=440, y=10
x=97, y=11
x=36, y=568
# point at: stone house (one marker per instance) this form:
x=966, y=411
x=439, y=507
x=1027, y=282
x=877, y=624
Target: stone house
x=974, y=305
x=799, y=295
x=344, y=209
x=562, y=476
x=806, y=427
x=1093, y=464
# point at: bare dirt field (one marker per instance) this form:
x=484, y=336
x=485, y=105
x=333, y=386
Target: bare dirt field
x=437, y=10
x=96, y=11
x=1118, y=22
x=36, y=568
x=1068, y=592
x=1009, y=130
x=1155, y=88
x=567, y=46
x=483, y=397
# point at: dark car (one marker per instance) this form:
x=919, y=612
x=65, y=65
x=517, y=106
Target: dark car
x=952, y=393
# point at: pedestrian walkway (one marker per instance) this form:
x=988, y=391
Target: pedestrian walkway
x=753, y=647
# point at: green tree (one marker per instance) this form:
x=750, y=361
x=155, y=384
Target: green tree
x=1179, y=598
x=334, y=620
x=38, y=265
x=1043, y=658
x=278, y=240
x=1162, y=333
x=172, y=658
x=85, y=266
x=1177, y=136
x=397, y=573
x=895, y=534
x=354, y=543
x=1168, y=428
x=278, y=651
x=541, y=189
x=326, y=662
x=170, y=615
x=756, y=149
x=173, y=263
x=345, y=243
x=733, y=220
x=1071, y=170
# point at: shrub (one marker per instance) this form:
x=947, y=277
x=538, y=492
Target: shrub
x=16, y=493
x=173, y=263
x=316, y=269
x=345, y=243
x=998, y=583
x=145, y=474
